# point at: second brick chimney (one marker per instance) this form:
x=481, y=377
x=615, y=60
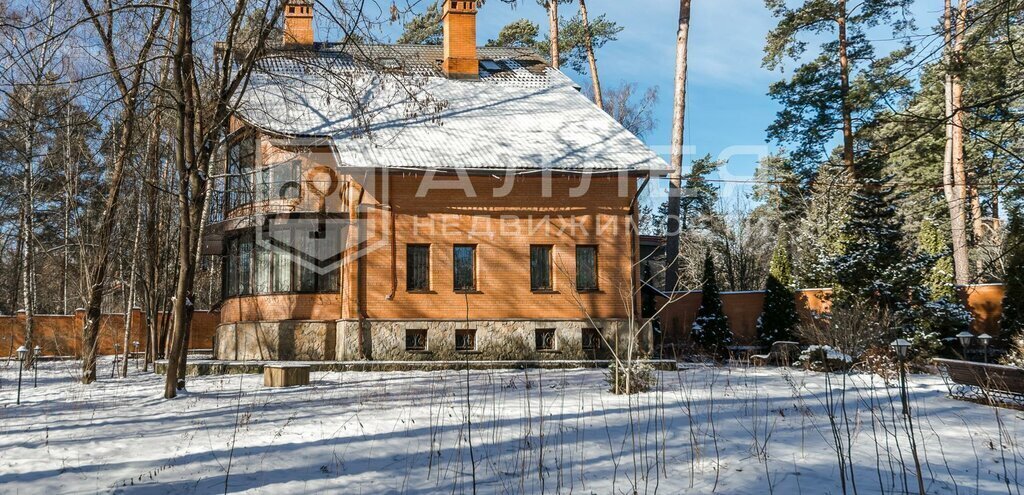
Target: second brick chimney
x=298, y=23
x=460, y=61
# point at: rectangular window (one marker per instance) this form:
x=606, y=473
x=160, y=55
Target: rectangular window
x=465, y=340
x=465, y=268
x=545, y=339
x=231, y=269
x=241, y=161
x=285, y=180
x=540, y=268
x=586, y=268
x=417, y=267
x=245, y=265
x=262, y=269
x=591, y=339
x=305, y=242
x=416, y=339
x=282, y=261
x=263, y=185
x=328, y=249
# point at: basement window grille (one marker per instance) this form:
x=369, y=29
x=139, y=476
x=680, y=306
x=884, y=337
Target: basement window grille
x=545, y=339
x=465, y=340
x=416, y=340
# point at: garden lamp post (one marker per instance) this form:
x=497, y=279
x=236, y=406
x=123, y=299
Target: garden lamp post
x=35, y=366
x=22, y=354
x=965, y=341
x=117, y=353
x=985, y=339
x=901, y=347
x=136, y=344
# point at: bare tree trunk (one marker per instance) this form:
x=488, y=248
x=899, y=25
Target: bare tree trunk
x=27, y=254
x=198, y=136
x=128, y=90
x=675, y=185
x=130, y=303
x=556, y=55
x=952, y=187
x=70, y=179
x=844, y=92
x=591, y=58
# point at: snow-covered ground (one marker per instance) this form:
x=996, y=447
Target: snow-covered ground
x=731, y=430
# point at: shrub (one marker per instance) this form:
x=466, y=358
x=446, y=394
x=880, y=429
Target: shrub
x=1016, y=355
x=632, y=377
x=1012, y=320
x=824, y=358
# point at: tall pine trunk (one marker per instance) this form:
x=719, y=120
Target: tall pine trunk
x=553, y=26
x=952, y=185
x=676, y=176
x=588, y=39
x=844, y=92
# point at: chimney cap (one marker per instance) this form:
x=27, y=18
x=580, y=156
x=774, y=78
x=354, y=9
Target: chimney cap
x=461, y=6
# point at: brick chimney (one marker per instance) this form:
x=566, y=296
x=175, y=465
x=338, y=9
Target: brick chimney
x=460, y=61
x=298, y=23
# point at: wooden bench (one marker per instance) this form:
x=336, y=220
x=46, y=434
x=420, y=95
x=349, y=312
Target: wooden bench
x=285, y=375
x=989, y=383
x=781, y=353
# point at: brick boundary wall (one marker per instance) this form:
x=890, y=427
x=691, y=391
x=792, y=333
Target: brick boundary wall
x=984, y=301
x=61, y=335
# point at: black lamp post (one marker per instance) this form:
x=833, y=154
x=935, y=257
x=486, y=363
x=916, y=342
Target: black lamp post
x=901, y=347
x=965, y=341
x=22, y=354
x=985, y=339
x=35, y=366
x=117, y=354
x=136, y=344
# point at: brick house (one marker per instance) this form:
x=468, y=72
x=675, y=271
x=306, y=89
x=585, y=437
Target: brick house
x=398, y=202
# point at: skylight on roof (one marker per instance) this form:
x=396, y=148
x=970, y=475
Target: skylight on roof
x=491, y=65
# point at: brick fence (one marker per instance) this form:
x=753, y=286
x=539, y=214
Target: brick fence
x=985, y=302
x=61, y=335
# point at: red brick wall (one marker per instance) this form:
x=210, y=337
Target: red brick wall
x=743, y=309
x=985, y=302
x=61, y=335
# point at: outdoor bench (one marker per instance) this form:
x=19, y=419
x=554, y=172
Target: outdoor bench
x=990, y=383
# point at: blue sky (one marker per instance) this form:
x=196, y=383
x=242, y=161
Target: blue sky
x=727, y=107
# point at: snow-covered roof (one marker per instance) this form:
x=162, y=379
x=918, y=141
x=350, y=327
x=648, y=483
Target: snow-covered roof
x=390, y=107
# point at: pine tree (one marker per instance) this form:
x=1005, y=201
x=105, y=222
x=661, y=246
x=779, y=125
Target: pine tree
x=779, y=319
x=711, y=328
x=1012, y=321
x=836, y=81
x=517, y=34
x=875, y=266
x=821, y=235
x=572, y=37
x=425, y=28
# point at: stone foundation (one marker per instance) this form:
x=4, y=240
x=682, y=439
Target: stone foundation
x=384, y=340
